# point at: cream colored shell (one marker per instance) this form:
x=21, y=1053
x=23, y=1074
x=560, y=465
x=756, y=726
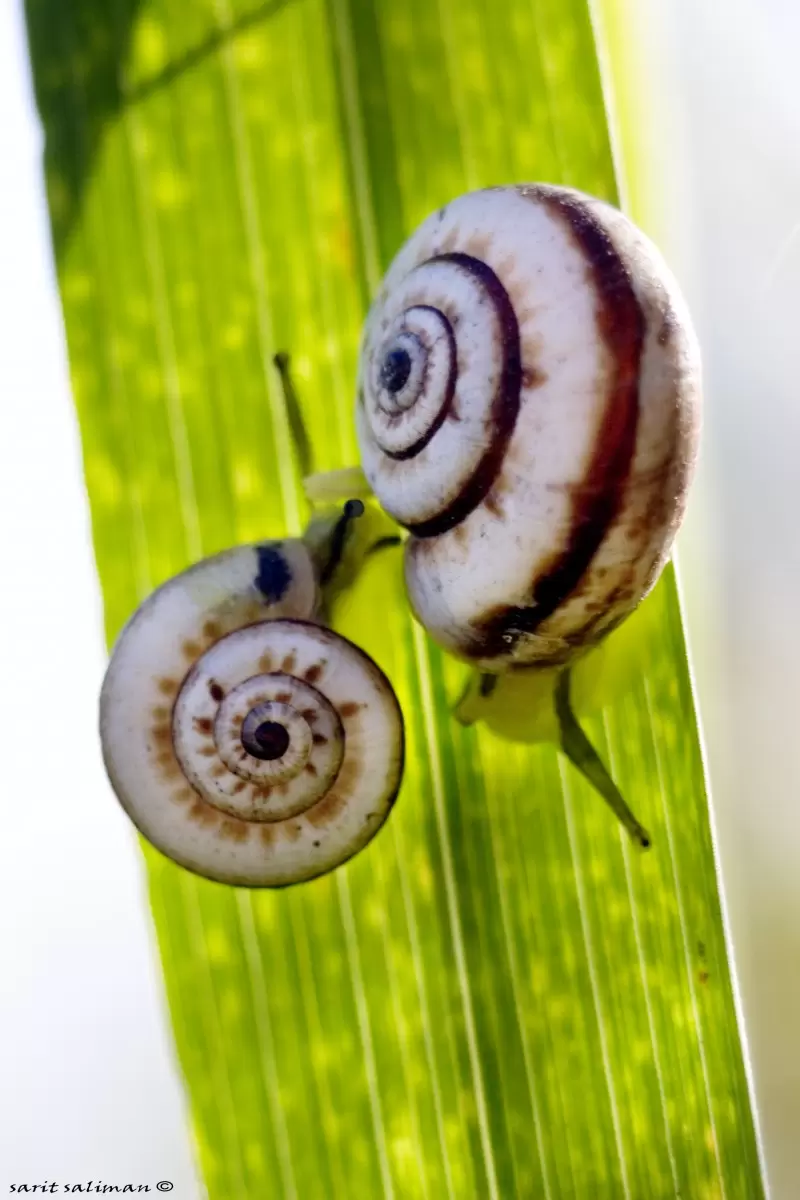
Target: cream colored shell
x=540, y=445
x=252, y=751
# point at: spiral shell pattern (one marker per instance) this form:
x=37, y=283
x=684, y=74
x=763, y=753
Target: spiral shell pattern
x=528, y=408
x=252, y=751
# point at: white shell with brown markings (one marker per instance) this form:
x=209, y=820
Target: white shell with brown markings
x=248, y=745
x=529, y=409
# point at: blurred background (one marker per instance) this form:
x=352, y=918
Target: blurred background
x=710, y=108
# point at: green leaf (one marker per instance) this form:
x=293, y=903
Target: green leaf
x=499, y=997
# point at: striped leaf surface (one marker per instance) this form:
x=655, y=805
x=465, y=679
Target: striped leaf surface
x=499, y=998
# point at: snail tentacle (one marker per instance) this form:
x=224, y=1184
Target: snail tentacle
x=582, y=754
x=297, y=426
x=320, y=487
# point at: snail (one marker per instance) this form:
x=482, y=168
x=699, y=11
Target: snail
x=528, y=409
x=244, y=738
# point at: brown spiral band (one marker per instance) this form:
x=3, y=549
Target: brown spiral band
x=596, y=503
x=504, y=405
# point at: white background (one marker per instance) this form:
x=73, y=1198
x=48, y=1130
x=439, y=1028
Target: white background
x=89, y=1088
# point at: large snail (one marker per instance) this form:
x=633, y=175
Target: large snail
x=528, y=408
x=245, y=739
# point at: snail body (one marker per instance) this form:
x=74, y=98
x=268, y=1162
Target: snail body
x=528, y=408
x=247, y=741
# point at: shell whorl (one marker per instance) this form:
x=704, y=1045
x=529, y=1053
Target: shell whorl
x=247, y=742
x=528, y=408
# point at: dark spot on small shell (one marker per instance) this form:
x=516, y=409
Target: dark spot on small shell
x=283, y=697
x=263, y=793
x=183, y=794
x=218, y=770
x=265, y=662
x=215, y=691
x=234, y=831
x=532, y=377
x=212, y=630
x=239, y=787
x=319, y=739
x=308, y=714
x=289, y=663
x=292, y=832
x=191, y=650
x=312, y=674
x=267, y=834
x=316, y=845
x=349, y=708
x=160, y=713
x=207, y=751
x=203, y=724
x=162, y=733
x=310, y=769
x=274, y=575
x=167, y=686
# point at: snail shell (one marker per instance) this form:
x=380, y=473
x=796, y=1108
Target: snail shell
x=529, y=409
x=245, y=741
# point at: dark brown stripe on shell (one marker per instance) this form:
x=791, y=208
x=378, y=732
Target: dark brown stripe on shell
x=447, y=403
x=596, y=503
x=505, y=403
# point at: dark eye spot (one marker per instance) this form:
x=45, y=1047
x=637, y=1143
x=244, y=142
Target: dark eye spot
x=268, y=741
x=395, y=370
x=353, y=509
x=274, y=577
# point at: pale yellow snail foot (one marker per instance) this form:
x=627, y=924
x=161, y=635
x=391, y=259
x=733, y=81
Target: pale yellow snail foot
x=516, y=706
x=332, y=487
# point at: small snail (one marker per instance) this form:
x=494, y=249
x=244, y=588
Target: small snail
x=528, y=408
x=245, y=740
